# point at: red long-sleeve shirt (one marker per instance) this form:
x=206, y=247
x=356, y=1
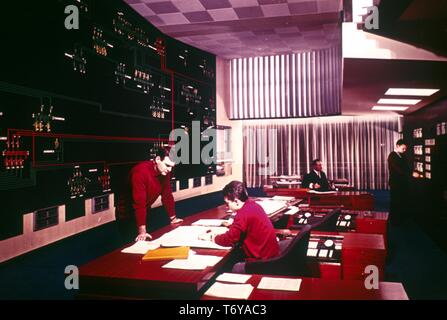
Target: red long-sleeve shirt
x=251, y=226
x=147, y=185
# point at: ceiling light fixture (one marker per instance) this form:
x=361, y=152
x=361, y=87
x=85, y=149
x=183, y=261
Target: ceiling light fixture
x=410, y=92
x=389, y=108
x=399, y=101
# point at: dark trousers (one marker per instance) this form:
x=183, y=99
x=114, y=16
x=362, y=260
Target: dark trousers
x=399, y=204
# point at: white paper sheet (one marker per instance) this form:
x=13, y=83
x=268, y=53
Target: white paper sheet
x=283, y=198
x=271, y=206
x=287, y=182
x=234, y=277
x=209, y=222
x=322, y=192
x=189, y=236
x=141, y=247
x=284, y=284
x=232, y=291
x=194, y=262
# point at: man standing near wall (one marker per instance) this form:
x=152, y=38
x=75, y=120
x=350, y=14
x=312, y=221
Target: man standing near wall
x=399, y=181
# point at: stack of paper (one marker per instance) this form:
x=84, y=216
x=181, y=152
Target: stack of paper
x=194, y=262
x=232, y=291
x=141, y=247
x=284, y=284
x=234, y=277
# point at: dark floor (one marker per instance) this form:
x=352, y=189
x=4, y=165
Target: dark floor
x=417, y=262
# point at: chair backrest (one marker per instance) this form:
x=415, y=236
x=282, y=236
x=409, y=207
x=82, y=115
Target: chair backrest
x=329, y=222
x=292, y=261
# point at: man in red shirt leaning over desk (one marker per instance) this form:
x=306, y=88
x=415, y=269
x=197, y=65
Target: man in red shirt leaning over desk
x=149, y=180
x=251, y=227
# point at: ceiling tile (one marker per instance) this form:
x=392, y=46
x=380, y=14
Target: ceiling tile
x=188, y=5
x=225, y=14
x=162, y=7
x=198, y=16
x=275, y=10
x=249, y=12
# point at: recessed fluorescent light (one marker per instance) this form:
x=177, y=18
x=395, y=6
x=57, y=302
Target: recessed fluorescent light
x=389, y=108
x=410, y=92
x=399, y=101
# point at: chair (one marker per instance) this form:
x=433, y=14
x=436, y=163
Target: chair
x=329, y=222
x=291, y=262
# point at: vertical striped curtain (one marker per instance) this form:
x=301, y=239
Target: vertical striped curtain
x=304, y=84
x=355, y=148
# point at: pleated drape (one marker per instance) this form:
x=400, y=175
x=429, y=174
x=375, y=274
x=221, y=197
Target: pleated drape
x=304, y=84
x=355, y=148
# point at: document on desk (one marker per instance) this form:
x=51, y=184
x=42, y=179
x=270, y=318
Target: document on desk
x=271, y=206
x=283, y=284
x=287, y=182
x=234, y=277
x=189, y=236
x=209, y=222
x=282, y=198
x=141, y=247
x=194, y=262
x=231, y=291
x=322, y=192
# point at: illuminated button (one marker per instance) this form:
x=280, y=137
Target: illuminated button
x=329, y=243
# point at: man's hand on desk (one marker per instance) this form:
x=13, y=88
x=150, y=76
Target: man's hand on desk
x=175, y=220
x=142, y=234
x=227, y=223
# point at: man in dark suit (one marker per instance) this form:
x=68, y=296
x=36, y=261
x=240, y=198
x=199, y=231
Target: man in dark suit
x=316, y=179
x=399, y=181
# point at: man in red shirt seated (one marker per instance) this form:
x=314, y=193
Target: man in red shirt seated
x=149, y=180
x=251, y=227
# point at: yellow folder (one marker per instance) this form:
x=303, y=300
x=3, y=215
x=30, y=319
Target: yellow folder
x=167, y=253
